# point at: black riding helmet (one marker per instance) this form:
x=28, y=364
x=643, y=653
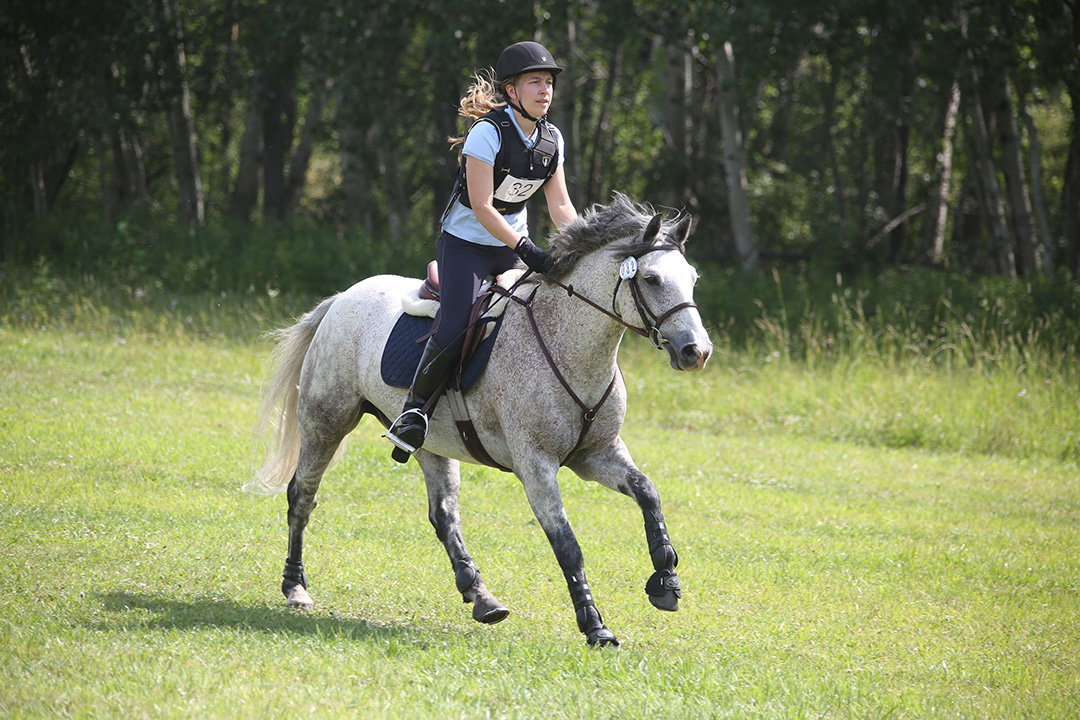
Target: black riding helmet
x=523, y=57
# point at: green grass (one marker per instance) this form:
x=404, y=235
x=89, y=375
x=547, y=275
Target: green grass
x=866, y=535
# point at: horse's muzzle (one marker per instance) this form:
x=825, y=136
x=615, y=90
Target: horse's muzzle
x=690, y=356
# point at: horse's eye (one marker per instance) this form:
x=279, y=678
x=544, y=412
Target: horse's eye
x=652, y=280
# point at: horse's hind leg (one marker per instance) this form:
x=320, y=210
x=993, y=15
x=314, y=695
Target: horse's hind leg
x=614, y=468
x=442, y=477
x=316, y=452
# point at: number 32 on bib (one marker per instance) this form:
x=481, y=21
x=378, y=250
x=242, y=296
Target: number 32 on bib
x=514, y=190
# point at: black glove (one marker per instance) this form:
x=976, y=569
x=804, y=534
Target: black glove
x=538, y=260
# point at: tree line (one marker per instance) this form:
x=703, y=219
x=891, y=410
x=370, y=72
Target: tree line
x=855, y=134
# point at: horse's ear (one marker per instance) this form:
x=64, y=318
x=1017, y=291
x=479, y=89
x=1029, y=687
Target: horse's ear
x=681, y=231
x=653, y=229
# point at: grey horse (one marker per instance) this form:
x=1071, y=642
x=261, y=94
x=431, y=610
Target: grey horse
x=617, y=266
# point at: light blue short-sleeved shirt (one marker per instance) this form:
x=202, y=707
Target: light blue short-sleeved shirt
x=482, y=142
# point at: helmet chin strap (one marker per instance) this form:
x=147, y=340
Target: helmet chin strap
x=521, y=111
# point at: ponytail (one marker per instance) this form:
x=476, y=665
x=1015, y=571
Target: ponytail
x=481, y=98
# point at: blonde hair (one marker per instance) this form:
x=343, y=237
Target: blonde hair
x=482, y=97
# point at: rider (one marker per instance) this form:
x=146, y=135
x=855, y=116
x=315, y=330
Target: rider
x=509, y=153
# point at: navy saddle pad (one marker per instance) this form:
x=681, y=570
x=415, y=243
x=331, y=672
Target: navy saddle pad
x=402, y=353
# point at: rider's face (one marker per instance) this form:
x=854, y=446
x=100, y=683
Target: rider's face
x=533, y=91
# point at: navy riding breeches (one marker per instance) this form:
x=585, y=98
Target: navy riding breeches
x=463, y=267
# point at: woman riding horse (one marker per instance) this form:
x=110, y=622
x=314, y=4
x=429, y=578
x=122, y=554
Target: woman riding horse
x=509, y=153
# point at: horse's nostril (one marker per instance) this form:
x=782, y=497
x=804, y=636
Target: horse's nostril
x=693, y=355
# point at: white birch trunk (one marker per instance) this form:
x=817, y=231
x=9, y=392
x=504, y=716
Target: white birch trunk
x=941, y=215
x=734, y=161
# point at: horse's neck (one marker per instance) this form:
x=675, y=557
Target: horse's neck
x=582, y=339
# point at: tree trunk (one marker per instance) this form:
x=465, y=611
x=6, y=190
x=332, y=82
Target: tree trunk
x=130, y=173
x=181, y=125
x=602, y=137
x=226, y=89
x=894, y=87
x=1070, y=192
x=993, y=208
x=1012, y=164
x=838, y=183
x=983, y=165
x=397, y=201
x=566, y=109
x=245, y=195
x=355, y=186
x=301, y=157
x=735, y=160
x=103, y=180
x=1045, y=254
x=677, y=125
x=278, y=122
x=1071, y=188
x=939, y=216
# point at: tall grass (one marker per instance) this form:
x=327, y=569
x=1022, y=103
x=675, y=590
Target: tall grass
x=944, y=368
x=153, y=253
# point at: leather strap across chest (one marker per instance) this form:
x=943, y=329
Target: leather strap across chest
x=588, y=414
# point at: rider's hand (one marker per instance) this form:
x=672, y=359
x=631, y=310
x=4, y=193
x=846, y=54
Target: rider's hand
x=538, y=260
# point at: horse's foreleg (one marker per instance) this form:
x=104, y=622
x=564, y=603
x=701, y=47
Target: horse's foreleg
x=443, y=480
x=546, y=501
x=615, y=469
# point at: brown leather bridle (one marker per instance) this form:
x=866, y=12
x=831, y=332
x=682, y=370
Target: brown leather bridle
x=650, y=321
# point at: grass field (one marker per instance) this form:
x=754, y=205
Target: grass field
x=861, y=539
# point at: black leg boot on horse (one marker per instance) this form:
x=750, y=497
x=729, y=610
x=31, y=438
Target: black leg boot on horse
x=410, y=429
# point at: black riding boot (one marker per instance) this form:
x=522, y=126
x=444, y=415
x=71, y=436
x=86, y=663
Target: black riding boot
x=410, y=428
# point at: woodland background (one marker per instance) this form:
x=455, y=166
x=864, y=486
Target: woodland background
x=261, y=144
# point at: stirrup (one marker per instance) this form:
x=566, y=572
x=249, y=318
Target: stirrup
x=412, y=426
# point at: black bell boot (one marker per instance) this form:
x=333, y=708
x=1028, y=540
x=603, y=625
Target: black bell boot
x=410, y=428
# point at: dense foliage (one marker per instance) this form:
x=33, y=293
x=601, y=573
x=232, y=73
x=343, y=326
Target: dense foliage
x=860, y=134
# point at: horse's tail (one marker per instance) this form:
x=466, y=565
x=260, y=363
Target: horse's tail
x=277, y=436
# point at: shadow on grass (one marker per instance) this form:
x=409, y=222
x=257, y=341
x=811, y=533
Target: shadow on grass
x=157, y=612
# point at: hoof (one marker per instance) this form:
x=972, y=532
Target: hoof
x=603, y=638
x=664, y=590
x=298, y=598
x=492, y=616
x=489, y=611
x=668, y=602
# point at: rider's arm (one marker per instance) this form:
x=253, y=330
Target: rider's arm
x=560, y=206
x=480, y=179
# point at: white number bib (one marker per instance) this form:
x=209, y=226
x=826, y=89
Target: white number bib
x=515, y=190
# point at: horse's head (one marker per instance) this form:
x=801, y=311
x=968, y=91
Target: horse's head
x=656, y=289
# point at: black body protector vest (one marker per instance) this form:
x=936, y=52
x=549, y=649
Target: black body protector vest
x=519, y=170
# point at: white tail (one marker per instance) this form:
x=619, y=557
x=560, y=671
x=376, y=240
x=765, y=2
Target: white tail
x=276, y=436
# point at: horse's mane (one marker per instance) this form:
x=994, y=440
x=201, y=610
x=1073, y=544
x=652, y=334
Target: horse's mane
x=619, y=225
